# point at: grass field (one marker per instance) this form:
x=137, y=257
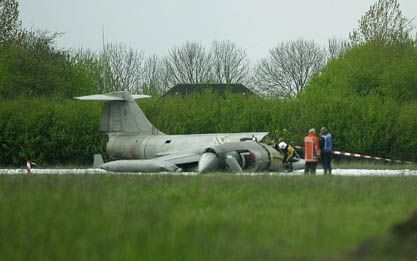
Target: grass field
x=205, y=217
x=369, y=164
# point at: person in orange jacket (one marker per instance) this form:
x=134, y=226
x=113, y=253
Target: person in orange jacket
x=312, y=152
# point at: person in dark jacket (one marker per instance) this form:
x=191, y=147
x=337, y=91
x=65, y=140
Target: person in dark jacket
x=326, y=147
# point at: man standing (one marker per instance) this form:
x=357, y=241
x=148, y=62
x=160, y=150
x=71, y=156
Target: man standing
x=312, y=152
x=326, y=146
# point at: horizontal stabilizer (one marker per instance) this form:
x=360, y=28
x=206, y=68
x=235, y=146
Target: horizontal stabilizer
x=113, y=96
x=121, y=113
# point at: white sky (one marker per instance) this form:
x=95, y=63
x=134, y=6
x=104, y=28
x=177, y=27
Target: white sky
x=155, y=26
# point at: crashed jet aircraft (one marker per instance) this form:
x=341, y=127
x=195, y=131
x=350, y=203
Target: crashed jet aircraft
x=135, y=145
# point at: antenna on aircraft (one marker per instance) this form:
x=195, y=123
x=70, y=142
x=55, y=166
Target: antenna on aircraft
x=102, y=35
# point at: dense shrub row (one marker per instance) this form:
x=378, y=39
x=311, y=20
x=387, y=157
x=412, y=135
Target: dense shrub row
x=49, y=132
x=363, y=124
x=67, y=132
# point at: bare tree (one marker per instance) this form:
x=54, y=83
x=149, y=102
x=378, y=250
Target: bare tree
x=382, y=22
x=188, y=64
x=10, y=24
x=155, y=77
x=288, y=68
x=122, y=68
x=336, y=47
x=230, y=64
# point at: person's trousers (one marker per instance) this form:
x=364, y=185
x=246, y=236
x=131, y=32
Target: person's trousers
x=310, y=168
x=326, y=160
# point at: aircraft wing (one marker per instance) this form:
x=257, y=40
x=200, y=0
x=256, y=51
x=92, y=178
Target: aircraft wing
x=238, y=136
x=100, y=97
x=179, y=159
x=187, y=158
x=171, y=162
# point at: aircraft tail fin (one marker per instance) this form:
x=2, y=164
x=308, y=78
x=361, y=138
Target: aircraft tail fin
x=121, y=114
x=98, y=160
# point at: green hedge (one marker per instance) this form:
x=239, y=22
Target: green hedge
x=362, y=124
x=67, y=132
x=49, y=132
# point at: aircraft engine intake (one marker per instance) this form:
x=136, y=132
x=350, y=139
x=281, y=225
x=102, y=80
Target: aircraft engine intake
x=236, y=157
x=232, y=161
x=209, y=161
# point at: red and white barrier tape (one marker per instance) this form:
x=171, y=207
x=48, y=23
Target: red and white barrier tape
x=363, y=156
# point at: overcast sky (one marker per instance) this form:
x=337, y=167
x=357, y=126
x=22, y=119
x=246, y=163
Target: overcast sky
x=155, y=26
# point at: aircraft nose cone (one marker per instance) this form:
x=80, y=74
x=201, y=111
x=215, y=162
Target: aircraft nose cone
x=208, y=162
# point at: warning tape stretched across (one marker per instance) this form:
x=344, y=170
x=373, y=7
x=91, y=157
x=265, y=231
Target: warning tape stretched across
x=363, y=156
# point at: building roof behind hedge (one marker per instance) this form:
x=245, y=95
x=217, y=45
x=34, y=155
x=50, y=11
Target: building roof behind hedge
x=219, y=88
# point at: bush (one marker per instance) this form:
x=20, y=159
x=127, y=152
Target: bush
x=49, y=132
x=33, y=67
x=67, y=132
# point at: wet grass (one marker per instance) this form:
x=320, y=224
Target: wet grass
x=206, y=217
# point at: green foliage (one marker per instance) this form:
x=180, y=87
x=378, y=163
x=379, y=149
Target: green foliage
x=399, y=78
x=206, y=113
x=362, y=124
x=67, y=132
x=206, y=217
x=33, y=67
x=387, y=70
x=368, y=98
x=49, y=132
x=384, y=23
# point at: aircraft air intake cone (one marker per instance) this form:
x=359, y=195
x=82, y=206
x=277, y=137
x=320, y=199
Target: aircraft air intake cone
x=208, y=162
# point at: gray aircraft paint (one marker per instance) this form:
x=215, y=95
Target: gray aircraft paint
x=136, y=145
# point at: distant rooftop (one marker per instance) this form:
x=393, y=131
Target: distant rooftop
x=219, y=88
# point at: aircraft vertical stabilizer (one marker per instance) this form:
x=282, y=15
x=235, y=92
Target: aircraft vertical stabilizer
x=121, y=114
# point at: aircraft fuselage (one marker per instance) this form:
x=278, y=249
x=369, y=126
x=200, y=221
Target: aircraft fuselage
x=152, y=146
